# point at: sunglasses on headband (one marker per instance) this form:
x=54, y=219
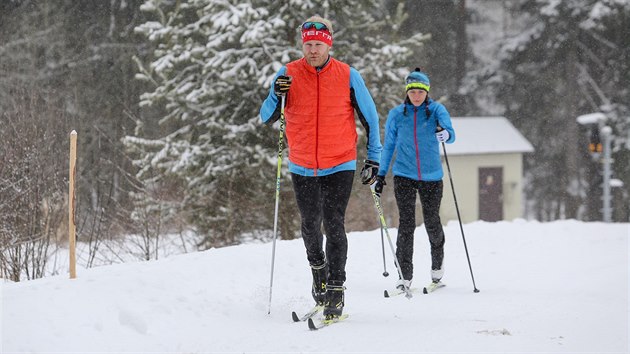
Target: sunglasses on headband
x=316, y=25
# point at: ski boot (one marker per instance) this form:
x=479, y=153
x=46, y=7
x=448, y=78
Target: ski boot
x=333, y=305
x=403, y=285
x=320, y=274
x=437, y=264
x=437, y=274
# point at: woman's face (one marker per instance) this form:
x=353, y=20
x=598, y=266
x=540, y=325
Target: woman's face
x=417, y=96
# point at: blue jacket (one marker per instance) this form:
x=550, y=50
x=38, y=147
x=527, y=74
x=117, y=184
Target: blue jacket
x=412, y=136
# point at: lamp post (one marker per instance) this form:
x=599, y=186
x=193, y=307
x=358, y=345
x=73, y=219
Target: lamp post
x=607, y=135
x=597, y=121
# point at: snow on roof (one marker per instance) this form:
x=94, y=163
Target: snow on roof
x=486, y=135
x=591, y=118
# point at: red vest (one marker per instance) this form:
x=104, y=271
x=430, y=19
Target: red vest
x=320, y=126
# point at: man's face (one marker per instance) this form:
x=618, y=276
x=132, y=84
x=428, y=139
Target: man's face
x=315, y=52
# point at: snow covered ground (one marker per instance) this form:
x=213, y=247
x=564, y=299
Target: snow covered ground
x=559, y=287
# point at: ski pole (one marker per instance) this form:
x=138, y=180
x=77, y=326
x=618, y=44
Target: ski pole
x=278, y=175
x=385, y=273
x=379, y=209
x=461, y=228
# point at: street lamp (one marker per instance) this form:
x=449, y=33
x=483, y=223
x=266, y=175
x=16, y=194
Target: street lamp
x=607, y=134
x=597, y=121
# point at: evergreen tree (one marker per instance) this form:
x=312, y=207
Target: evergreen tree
x=64, y=65
x=213, y=65
x=445, y=52
x=571, y=60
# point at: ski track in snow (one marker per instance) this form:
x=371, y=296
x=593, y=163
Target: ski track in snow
x=556, y=287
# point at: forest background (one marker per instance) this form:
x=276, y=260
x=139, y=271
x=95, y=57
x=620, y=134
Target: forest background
x=164, y=95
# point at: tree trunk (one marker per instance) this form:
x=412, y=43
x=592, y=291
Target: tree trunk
x=571, y=178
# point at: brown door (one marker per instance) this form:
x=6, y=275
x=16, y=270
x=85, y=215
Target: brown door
x=491, y=193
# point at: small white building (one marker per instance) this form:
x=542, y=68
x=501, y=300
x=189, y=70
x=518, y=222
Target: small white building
x=486, y=164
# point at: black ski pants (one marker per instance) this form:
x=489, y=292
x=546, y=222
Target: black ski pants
x=430, y=192
x=324, y=200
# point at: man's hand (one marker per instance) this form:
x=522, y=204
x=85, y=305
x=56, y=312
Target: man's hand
x=369, y=172
x=281, y=85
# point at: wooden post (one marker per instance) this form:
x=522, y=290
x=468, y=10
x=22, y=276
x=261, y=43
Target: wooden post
x=71, y=199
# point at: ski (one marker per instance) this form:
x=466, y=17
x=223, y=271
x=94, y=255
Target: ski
x=324, y=323
x=433, y=287
x=396, y=292
x=314, y=311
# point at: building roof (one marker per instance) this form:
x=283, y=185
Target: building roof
x=486, y=135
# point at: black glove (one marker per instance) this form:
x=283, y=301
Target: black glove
x=369, y=172
x=378, y=185
x=281, y=85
